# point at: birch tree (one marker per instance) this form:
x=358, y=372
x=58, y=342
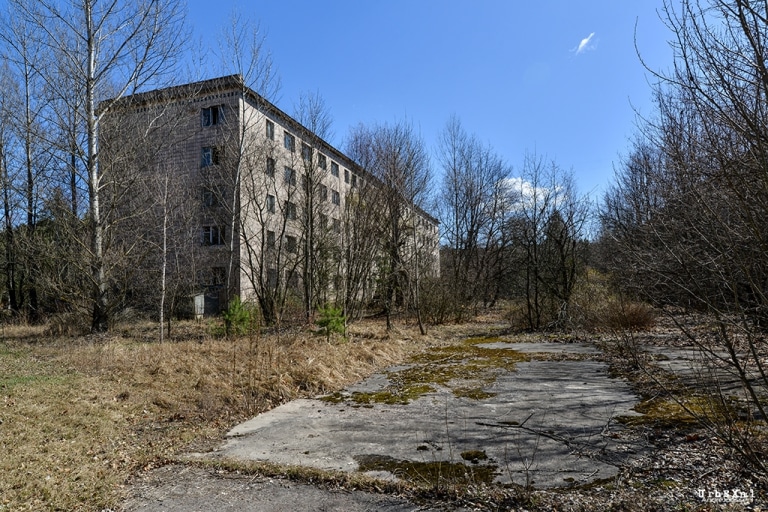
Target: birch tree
x=316, y=233
x=258, y=210
x=112, y=49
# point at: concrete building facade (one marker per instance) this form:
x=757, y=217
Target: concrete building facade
x=269, y=199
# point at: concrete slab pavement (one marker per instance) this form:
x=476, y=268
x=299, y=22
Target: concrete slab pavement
x=547, y=423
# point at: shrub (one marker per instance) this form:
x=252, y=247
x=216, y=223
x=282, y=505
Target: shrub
x=237, y=318
x=595, y=307
x=331, y=320
x=439, y=302
x=67, y=324
x=632, y=316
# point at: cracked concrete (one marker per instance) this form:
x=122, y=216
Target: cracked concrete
x=547, y=424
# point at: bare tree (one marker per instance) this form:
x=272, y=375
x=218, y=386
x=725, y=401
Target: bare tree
x=362, y=231
x=397, y=158
x=173, y=257
x=312, y=112
x=27, y=58
x=261, y=212
x=8, y=107
x=548, y=224
x=111, y=49
x=474, y=211
x=689, y=207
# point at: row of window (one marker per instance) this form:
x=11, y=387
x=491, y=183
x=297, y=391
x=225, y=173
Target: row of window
x=212, y=155
x=214, y=235
x=210, y=199
x=291, y=278
x=289, y=143
x=291, y=242
x=214, y=115
x=215, y=277
x=289, y=209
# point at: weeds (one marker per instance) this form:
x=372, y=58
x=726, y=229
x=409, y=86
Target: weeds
x=78, y=418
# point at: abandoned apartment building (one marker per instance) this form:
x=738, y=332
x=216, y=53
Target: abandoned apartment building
x=252, y=197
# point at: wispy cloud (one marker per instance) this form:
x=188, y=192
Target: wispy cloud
x=586, y=44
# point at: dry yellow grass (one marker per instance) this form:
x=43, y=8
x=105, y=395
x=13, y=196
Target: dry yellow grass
x=78, y=416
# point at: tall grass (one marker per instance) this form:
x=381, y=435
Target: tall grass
x=78, y=416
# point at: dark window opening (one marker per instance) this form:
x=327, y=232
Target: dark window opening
x=213, y=235
x=289, y=141
x=290, y=176
x=210, y=155
x=212, y=116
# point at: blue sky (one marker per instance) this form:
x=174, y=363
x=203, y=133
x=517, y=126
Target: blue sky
x=560, y=78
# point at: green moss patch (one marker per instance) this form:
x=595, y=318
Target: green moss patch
x=472, y=393
x=481, y=340
x=393, y=395
x=474, y=456
x=432, y=474
x=333, y=398
x=674, y=414
x=466, y=368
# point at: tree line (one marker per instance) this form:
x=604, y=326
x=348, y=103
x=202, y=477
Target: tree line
x=92, y=227
x=684, y=224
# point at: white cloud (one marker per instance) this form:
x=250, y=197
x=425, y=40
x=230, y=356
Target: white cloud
x=523, y=193
x=586, y=44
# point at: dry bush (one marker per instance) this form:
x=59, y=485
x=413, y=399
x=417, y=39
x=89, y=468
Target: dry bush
x=66, y=324
x=516, y=314
x=631, y=316
x=594, y=307
x=22, y=331
x=440, y=304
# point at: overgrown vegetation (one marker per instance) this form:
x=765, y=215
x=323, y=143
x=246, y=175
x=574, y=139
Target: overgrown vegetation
x=683, y=233
x=78, y=416
x=683, y=226
x=465, y=367
x=239, y=318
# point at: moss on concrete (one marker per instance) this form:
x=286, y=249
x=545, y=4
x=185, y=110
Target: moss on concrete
x=474, y=456
x=430, y=474
x=466, y=368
